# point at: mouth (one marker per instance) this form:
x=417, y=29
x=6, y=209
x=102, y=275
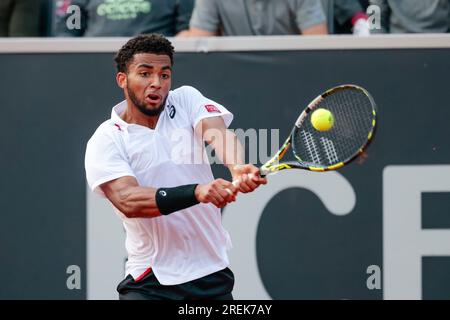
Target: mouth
x=153, y=98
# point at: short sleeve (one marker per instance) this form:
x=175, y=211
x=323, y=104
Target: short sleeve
x=201, y=107
x=309, y=13
x=205, y=16
x=104, y=161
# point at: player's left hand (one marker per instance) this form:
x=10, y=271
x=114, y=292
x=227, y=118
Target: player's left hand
x=248, y=176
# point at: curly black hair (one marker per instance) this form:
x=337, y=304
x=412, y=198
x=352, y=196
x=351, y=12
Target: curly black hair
x=152, y=43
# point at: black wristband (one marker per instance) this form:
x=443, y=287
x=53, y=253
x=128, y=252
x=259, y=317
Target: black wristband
x=170, y=200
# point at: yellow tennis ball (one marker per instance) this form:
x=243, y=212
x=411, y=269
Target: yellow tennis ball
x=322, y=119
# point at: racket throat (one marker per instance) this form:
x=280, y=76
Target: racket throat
x=264, y=171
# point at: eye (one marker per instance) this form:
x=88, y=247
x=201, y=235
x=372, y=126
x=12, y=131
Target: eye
x=144, y=74
x=165, y=76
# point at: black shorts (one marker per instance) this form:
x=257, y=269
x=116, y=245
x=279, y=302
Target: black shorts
x=216, y=286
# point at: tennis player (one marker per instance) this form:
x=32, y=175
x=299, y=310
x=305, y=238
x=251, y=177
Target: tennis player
x=169, y=202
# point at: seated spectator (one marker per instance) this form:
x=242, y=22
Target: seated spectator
x=21, y=18
x=256, y=17
x=413, y=16
x=118, y=18
x=347, y=16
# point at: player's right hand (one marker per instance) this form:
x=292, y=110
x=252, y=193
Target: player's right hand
x=218, y=192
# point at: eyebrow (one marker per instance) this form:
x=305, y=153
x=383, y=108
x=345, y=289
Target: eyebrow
x=145, y=65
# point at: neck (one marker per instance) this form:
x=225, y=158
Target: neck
x=132, y=115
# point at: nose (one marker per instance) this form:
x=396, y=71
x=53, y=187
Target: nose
x=155, y=82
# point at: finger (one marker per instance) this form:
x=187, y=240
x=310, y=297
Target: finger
x=244, y=188
x=211, y=199
x=226, y=184
x=259, y=180
x=256, y=177
x=251, y=184
x=229, y=187
x=263, y=180
x=224, y=196
x=254, y=170
x=216, y=196
x=224, y=193
x=228, y=195
x=236, y=183
x=231, y=196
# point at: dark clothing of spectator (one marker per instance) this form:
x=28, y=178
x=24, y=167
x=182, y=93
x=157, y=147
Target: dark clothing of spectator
x=118, y=18
x=21, y=18
x=342, y=14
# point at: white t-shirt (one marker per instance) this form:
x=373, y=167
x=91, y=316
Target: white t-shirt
x=184, y=245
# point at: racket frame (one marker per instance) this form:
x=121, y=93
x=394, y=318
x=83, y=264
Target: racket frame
x=274, y=165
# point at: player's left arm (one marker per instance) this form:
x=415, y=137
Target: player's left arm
x=229, y=150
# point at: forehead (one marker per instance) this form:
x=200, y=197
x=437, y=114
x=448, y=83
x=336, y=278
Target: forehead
x=156, y=60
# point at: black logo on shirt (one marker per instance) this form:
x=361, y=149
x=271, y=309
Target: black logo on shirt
x=172, y=112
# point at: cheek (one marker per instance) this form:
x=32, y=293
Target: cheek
x=137, y=85
x=168, y=85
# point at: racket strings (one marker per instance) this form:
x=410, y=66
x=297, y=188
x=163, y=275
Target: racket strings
x=353, y=121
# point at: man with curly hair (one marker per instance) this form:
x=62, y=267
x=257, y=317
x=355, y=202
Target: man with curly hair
x=163, y=189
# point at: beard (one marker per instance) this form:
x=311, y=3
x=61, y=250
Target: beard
x=142, y=107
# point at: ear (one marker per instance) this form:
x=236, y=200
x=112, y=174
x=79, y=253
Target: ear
x=121, y=79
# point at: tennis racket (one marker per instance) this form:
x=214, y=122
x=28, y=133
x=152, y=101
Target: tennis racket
x=355, y=122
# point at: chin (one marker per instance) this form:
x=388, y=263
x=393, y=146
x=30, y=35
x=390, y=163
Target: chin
x=152, y=107
x=152, y=110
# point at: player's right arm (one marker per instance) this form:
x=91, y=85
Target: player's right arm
x=109, y=173
x=135, y=201
x=131, y=199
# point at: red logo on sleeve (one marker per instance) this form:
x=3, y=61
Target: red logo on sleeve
x=212, y=108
